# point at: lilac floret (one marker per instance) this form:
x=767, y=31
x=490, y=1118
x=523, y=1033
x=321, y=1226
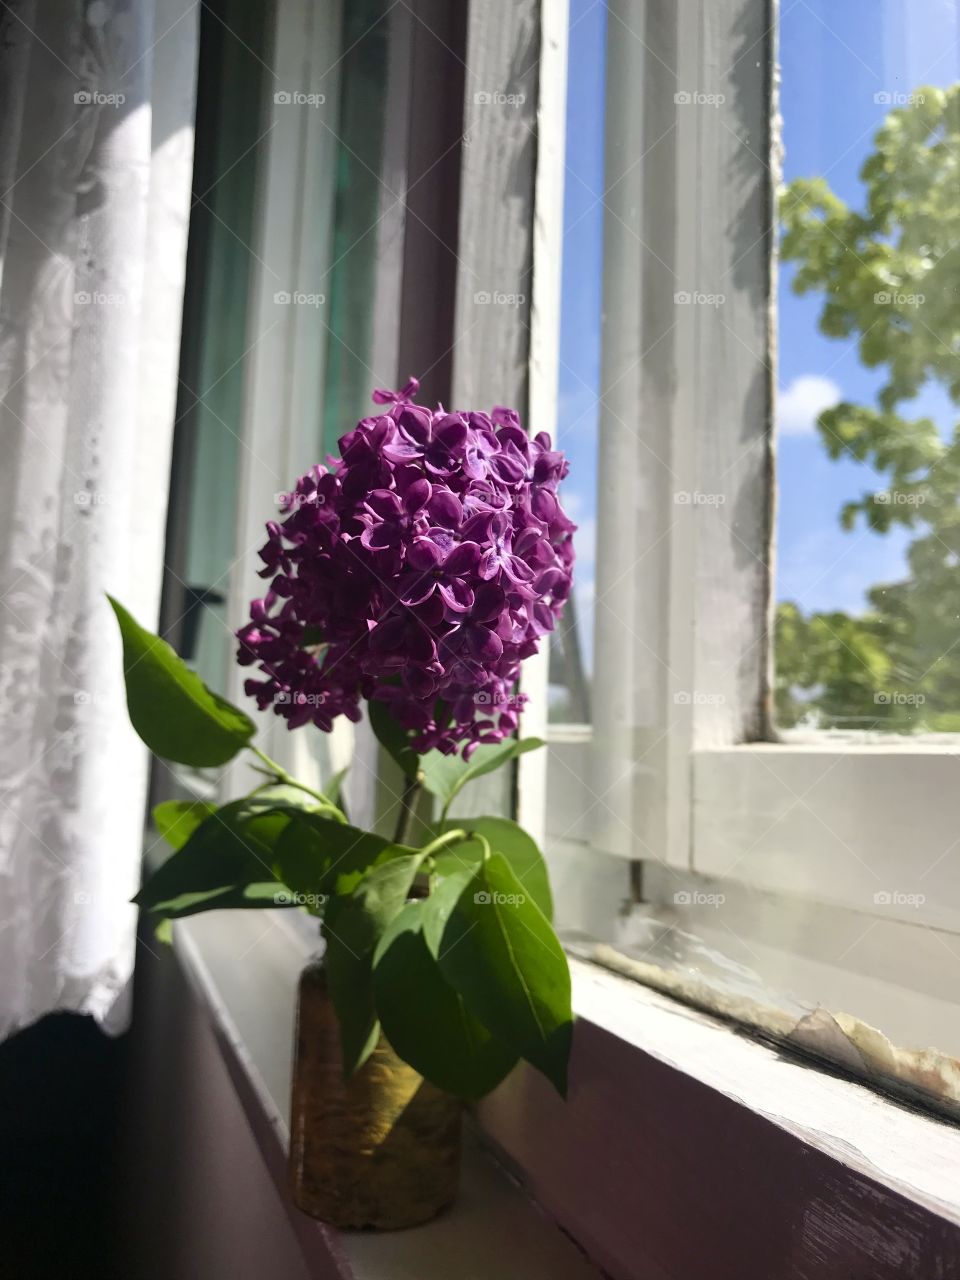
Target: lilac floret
x=419, y=568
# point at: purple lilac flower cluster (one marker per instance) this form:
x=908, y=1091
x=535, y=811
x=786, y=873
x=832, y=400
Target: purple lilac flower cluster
x=419, y=568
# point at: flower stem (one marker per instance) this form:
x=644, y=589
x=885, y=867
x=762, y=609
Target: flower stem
x=484, y=845
x=412, y=788
x=288, y=779
x=448, y=837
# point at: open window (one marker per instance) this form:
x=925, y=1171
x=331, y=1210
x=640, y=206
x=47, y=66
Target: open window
x=708, y=801
x=751, y=763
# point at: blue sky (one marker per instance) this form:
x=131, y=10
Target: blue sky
x=836, y=56
x=581, y=291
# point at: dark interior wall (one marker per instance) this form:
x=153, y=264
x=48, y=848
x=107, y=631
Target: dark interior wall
x=131, y=1158
x=60, y=1085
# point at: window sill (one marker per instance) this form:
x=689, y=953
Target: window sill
x=905, y=1150
x=672, y=1118
x=244, y=968
x=675, y=1119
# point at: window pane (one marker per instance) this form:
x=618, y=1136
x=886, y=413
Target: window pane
x=868, y=587
x=358, y=215
x=201, y=528
x=571, y=651
x=230, y=159
x=755, y=922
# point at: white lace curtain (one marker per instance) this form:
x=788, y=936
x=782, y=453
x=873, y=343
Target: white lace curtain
x=96, y=146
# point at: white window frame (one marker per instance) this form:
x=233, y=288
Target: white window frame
x=675, y=769
x=284, y=356
x=291, y=250
x=682, y=765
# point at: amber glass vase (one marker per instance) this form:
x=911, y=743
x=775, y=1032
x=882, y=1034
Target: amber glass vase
x=379, y=1150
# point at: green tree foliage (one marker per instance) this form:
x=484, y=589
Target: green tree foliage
x=889, y=274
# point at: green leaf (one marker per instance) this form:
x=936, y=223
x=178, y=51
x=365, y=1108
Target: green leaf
x=254, y=896
x=285, y=795
x=393, y=738
x=335, y=785
x=230, y=849
x=425, y=1020
x=504, y=837
x=176, y=820
x=319, y=855
x=500, y=953
x=352, y=927
x=164, y=932
x=442, y=773
x=171, y=708
x=439, y=906
x=445, y=776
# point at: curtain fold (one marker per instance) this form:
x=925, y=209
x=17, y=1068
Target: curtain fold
x=96, y=145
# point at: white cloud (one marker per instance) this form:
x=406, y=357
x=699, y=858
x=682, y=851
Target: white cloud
x=801, y=403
